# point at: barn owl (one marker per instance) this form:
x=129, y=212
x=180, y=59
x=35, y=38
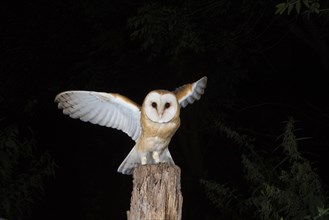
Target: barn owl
x=151, y=125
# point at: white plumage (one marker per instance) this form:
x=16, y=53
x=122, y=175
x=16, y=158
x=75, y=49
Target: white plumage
x=106, y=109
x=150, y=126
x=189, y=95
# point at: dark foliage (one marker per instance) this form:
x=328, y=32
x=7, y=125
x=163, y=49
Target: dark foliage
x=264, y=61
x=23, y=171
x=284, y=186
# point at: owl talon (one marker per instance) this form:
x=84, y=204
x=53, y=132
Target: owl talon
x=143, y=160
x=156, y=157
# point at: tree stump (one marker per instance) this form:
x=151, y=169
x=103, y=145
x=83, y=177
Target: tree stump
x=156, y=193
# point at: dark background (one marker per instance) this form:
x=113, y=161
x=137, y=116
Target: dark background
x=262, y=68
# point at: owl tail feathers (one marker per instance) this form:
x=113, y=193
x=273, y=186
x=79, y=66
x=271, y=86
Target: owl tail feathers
x=134, y=159
x=130, y=162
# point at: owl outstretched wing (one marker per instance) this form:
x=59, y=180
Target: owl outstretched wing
x=106, y=109
x=188, y=93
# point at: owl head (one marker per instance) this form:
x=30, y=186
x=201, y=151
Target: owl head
x=161, y=106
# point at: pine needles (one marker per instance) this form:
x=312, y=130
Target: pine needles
x=285, y=187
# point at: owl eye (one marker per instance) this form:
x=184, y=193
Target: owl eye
x=167, y=105
x=154, y=105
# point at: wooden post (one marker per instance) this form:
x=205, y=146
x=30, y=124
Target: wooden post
x=156, y=193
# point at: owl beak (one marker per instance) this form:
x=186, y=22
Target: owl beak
x=160, y=114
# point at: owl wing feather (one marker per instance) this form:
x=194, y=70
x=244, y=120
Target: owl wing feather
x=188, y=93
x=106, y=109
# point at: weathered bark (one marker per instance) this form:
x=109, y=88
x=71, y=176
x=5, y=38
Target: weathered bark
x=156, y=193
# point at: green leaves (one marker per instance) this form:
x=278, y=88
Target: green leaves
x=283, y=186
x=220, y=195
x=321, y=213
x=22, y=172
x=299, y=6
x=163, y=28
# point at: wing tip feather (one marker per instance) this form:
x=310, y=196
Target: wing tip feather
x=192, y=92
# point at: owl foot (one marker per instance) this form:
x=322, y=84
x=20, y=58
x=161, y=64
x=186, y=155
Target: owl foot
x=143, y=160
x=155, y=156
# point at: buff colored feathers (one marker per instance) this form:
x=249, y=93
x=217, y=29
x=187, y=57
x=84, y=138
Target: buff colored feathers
x=151, y=126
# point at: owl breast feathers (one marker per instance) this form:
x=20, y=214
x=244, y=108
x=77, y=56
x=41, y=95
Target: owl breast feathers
x=151, y=125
